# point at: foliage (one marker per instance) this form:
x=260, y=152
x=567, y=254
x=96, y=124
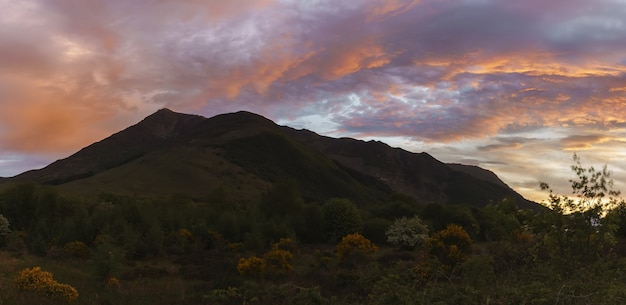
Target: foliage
x=42, y=282
x=407, y=233
x=223, y=296
x=438, y=216
x=451, y=245
x=496, y=254
x=251, y=266
x=592, y=188
x=4, y=225
x=354, y=245
x=341, y=218
x=374, y=229
x=499, y=221
x=576, y=226
x=77, y=249
x=107, y=258
x=277, y=260
x=309, y=224
x=285, y=244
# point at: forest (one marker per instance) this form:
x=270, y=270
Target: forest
x=59, y=248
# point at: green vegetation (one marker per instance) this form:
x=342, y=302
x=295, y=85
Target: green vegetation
x=278, y=248
x=407, y=233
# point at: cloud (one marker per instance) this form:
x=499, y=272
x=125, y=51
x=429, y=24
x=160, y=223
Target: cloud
x=583, y=142
x=496, y=79
x=432, y=70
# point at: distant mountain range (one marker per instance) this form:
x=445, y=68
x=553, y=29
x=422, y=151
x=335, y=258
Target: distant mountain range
x=244, y=154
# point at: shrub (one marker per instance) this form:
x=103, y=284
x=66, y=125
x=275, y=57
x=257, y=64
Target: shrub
x=407, y=233
x=4, y=225
x=107, y=259
x=279, y=257
x=77, y=249
x=451, y=245
x=277, y=260
x=42, y=282
x=251, y=266
x=354, y=245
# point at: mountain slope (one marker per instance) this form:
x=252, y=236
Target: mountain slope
x=416, y=174
x=156, y=130
x=170, y=152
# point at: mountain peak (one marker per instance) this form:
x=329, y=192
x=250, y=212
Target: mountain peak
x=164, y=110
x=165, y=123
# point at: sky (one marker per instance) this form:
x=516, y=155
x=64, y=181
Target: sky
x=516, y=87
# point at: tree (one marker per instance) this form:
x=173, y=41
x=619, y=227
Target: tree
x=577, y=226
x=499, y=221
x=407, y=233
x=341, y=217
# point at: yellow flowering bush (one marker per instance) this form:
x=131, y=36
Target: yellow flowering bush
x=42, y=282
x=278, y=260
x=274, y=261
x=251, y=266
x=451, y=245
x=354, y=245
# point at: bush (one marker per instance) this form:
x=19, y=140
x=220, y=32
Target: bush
x=251, y=266
x=278, y=260
x=4, y=225
x=41, y=282
x=354, y=246
x=407, y=233
x=341, y=217
x=451, y=245
x=77, y=249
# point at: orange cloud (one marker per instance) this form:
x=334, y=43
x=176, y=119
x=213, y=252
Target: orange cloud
x=348, y=58
x=583, y=142
x=49, y=127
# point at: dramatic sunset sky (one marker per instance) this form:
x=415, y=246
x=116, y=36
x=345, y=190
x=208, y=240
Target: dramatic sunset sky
x=512, y=86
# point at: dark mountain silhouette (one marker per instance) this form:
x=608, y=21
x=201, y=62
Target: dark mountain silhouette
x=245, y=153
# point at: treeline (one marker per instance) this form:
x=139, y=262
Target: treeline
x=41, y=219
x=283, y=250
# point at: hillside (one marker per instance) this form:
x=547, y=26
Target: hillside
x=245, y=153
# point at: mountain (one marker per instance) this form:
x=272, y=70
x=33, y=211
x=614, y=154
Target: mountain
x=245, y=153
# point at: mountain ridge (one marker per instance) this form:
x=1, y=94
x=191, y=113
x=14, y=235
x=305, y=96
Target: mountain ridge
x=244, y=147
